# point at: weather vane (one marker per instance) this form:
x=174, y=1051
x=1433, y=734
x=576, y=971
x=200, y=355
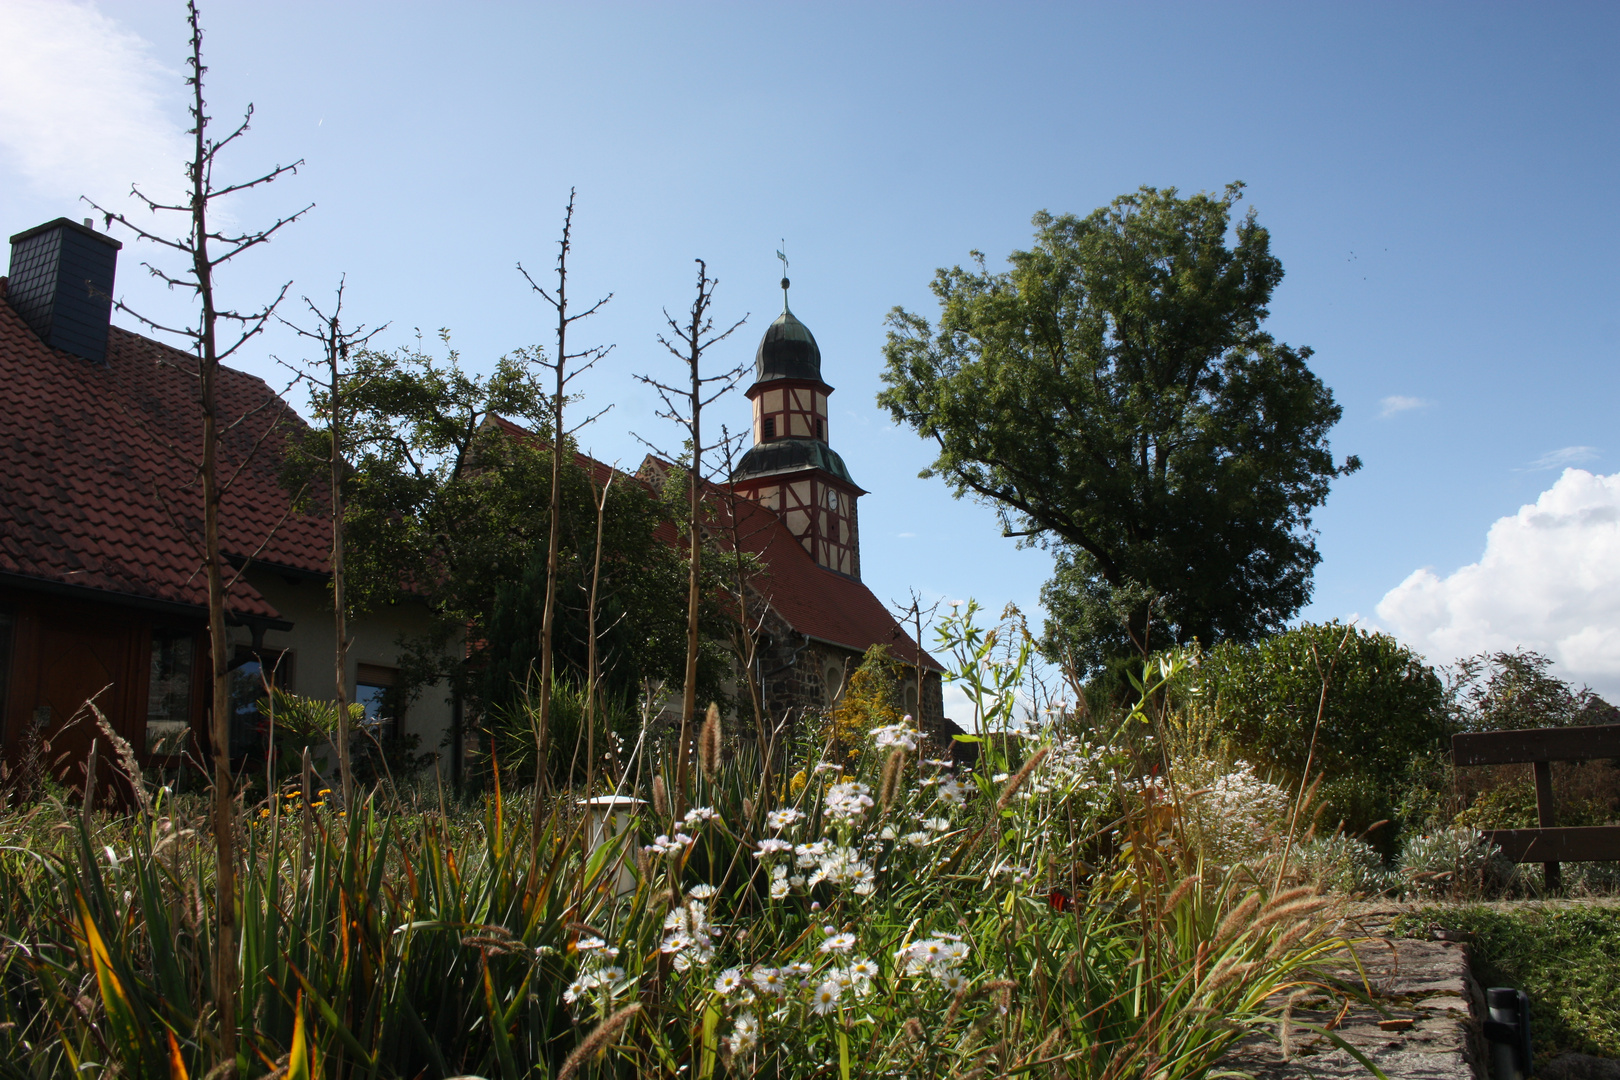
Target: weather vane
x=783, y=257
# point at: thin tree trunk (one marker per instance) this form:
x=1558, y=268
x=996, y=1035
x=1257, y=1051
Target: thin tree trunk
x=224, y=801
x=590, y=647
x=694, y=568
x=339, y=628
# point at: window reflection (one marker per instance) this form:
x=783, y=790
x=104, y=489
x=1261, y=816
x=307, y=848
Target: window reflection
x=253, y=673
x=169, y=689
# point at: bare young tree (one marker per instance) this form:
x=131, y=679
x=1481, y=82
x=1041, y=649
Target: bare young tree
x=684, y=404
x=583, y=361
x=916, y=613
x=336, y=344
x=207, y=248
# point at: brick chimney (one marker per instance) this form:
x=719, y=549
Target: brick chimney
x=61, y=283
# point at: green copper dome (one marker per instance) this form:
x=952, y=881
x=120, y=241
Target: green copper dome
x=791, y=455
x=787, y=351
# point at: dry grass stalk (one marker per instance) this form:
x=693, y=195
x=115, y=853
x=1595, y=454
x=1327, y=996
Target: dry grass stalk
x=709, y=743
x=660, y=797
x=1001, y=990
x=1019, y=777
x=1289, y=938
x=1289, y=911
x=597, y=1040
x=126, y=758
x=893, y=768
x=1287, y=897
x=1226, y=970
x=1048, y=1044
x=1179, y=893
x=914, y=1030
x=1235, y=919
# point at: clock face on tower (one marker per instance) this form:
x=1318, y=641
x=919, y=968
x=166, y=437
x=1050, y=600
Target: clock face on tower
x=832, y=499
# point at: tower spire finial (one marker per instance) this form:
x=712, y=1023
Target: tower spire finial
x=783, y=257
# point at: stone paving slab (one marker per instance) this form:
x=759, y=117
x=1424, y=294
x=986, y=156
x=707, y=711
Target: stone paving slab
x=1425, y=982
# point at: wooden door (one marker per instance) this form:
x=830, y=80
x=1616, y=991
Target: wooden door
x=79, y=660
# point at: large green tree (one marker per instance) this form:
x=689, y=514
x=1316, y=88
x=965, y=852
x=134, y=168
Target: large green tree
x=1114, y=395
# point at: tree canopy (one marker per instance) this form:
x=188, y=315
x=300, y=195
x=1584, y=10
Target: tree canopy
x=1114, y=396
x=446, y=502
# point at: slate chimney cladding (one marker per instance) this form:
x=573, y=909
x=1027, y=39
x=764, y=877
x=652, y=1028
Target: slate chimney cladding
x=61, y=283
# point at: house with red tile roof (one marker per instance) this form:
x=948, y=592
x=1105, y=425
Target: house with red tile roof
x=101, y=587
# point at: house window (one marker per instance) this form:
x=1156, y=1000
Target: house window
x=168, y=693
x=374, y=688
x=8, y=621
x=770, y=427
x=254, y=672
x=821, y=431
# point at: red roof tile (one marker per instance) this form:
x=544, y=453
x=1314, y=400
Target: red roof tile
x=96, y=486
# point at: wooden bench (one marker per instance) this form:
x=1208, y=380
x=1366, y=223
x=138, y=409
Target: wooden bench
x=1540, y=747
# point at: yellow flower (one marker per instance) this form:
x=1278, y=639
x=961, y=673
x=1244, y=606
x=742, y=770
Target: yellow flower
x=321, y=803
x=798, y=782
x=324, y=791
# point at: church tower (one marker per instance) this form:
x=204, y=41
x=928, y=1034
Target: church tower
x=791, y=468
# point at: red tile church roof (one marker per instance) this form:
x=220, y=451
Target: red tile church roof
x=821, y=603
x=96, y=486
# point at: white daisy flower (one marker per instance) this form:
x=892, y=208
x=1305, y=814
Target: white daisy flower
x=744, y=1034
x=590, y=942
x=768, y=980
x=729, y=982
x=826, y=998
x=863, y=969
x=779, y=888
x=575, y=991
x=781, y=819
x=700, y=892
x=841, y=943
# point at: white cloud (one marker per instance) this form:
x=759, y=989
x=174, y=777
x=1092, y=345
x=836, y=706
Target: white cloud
x=1398, y=403
x=85, y=109
x=1562, y=458
x=1549, y=580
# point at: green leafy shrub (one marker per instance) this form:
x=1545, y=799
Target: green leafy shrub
x=1454, y=864
x=1383, y=706
x=1345, y=865
x=1512, y=805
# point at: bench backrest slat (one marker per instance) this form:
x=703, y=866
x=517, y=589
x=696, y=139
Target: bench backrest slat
x=1579, y=743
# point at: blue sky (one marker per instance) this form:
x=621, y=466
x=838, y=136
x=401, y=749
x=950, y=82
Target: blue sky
x=1439, y=181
